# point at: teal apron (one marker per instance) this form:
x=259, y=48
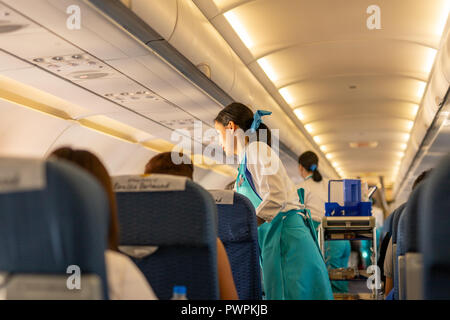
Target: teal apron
x=292, y=265
x=337, y=252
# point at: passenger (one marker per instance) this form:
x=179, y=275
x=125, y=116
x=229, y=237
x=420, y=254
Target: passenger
x=292, y=265
x=163, y=164
x=388, y=260
x=337, y=252
x=378, y=213
x=125, y=280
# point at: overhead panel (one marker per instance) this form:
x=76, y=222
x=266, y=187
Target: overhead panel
x=111, y=83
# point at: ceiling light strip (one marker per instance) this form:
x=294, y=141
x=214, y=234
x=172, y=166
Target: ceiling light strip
x=32, y=104
x=239, y=28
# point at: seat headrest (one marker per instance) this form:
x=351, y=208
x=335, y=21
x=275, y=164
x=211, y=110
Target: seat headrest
x=58, y=216
x=395, y=219
x=21, y=175
x=177, y=210
x=408, y=223
x=149, y=183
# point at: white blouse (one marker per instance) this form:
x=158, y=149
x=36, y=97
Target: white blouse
x=125, y=280
x=271, y=180
x=316, y=194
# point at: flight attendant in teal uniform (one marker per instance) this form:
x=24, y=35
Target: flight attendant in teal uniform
x=292, y=265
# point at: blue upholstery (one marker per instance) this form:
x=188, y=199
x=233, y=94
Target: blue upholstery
x=395, y=220
x=65, y=223
x=183, y=224
x=239, y=234
x=386, y=237
x=407, y=232
x=407, y=238
x=434, y=222
x=387, y=226
x=390, y=295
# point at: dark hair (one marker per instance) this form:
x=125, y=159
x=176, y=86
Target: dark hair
x=94, y=166
x=310, y=162
x=242, y=116
x=162, y=163
x=420, y=178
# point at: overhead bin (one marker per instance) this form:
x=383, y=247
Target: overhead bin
x=437, y=88
x=197, y=39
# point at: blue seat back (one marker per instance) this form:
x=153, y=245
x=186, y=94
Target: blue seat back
x=395, y=219
x=387, y=226
x=182, y=223
x=239, y=234
x=63, y=222
x=408, y=225
x=434, y=240
x=407, y=230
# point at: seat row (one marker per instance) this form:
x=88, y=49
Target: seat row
x=54, y=220
x=420, y=239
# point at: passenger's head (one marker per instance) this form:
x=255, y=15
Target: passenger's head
x=308, y=164
x=420, y=178
x=238, y=116
x=163, y=163
x=93, y=165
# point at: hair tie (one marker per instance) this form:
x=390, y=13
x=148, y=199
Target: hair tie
x=257, y=119
x=313, y=167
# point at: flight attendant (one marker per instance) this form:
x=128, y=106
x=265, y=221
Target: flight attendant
x=337, y=252
x=292, y=265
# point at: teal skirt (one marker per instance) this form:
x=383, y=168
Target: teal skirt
x=292, y=265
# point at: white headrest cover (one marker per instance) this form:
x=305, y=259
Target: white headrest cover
x=223, y=196
x=151, y=183
x=21, y=174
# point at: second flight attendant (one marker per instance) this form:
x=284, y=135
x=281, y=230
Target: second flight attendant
x=337, y=252
x=292, y=265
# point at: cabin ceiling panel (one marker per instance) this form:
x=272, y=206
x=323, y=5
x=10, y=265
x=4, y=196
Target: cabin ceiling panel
x=367, y=89
x=350, y=58
x=324, y=110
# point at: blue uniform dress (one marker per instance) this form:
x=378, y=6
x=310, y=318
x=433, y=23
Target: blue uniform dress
x=337, y=252
x=292, y=265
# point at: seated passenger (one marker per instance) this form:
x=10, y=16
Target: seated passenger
x=163, y=164
x=388, y=260
x=125, y=280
